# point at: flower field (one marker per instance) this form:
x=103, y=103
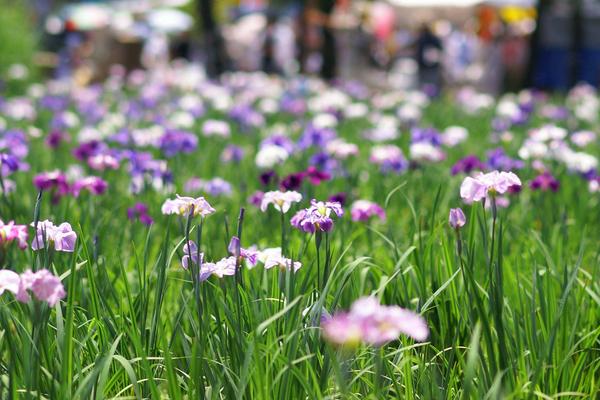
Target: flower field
x=164, y=236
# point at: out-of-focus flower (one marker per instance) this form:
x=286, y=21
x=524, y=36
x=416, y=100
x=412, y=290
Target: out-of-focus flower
x=495, y=182
x=256, y=198
x=54, y=181
x=92, y=184
x=343, y=330
x=174, y=142
x=88, y=149
x=457, y=218
x=426, y=152
x=363, y=210
x=270, y=156
x=341, y=149
x=338, y=198
x=9, y=280
x=498, y=159
x=292, y=181
x=454, y=135
x=13, y=233
x=214, y=187
x=282, y=201
x=583, y=138
x=100, y=162
x=282, y=263
x=545, y=182
x=213, y=127
x=316, y=137
x=317, y=216
x=372, y=323
x=55, y=138
x=468, y=164
x=44, y=285
x=182, y=205
x=140, y=211
x=315, y=177
x=232, y=153
x=389, y=157
x=268, y=177
x=280, y=140
x=62, y=237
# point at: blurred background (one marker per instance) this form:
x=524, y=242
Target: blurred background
x=491, y=45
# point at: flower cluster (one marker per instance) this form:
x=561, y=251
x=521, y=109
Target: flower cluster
x=57, y=183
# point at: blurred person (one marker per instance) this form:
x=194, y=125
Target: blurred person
x=155, y=53
x=428, y=55
x=268, y=64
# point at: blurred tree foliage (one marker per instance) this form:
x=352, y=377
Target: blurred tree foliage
x=18, y=38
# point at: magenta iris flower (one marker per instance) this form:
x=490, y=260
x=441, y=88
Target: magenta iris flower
x=315, y=177
x=372, y=323
x=13, y=233
x=55, y=182
x=364, y=210
x=545, y=182
x=92, y=184
x=468, y=164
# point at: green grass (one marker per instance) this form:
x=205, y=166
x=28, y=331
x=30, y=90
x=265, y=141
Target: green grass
x=521, y=324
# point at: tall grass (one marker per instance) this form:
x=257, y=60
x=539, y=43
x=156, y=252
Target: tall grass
x=513, y=311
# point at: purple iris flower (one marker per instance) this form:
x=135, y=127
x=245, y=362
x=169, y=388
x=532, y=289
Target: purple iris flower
x=545, y=182
x=325, y=162
x=140, y=212
x=315, y=137
x=268, y=178
x=87, y=149
x=499, y=160
x=340, y=197
x=468, y=164
x=174, y=142
x=232, y=153
x=292, y=181
x=429, y=135
x=281, y=141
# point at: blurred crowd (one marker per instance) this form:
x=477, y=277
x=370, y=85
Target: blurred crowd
x=377, y=42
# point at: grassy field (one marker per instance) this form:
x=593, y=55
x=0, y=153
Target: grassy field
x=511, y=299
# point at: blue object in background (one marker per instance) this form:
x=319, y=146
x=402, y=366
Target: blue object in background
x=589, y=66
x=552, y=69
